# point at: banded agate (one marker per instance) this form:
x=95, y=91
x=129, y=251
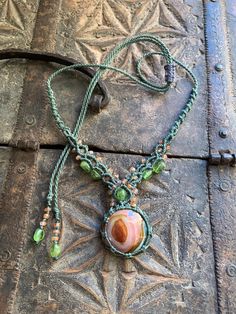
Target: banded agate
x=126, y=230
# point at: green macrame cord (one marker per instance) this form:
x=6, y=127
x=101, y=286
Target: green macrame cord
x=88, y=161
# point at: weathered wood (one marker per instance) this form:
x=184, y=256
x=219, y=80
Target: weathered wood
x=150, y=115
x=223, y=218
x=14, y=206
x=17, y=23
x=92, y=30
x=222, y=116
x=182, y=271
x=16, y=30
x=231, y=29
x=4, y=162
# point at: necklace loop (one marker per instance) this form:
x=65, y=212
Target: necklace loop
x=118, y=221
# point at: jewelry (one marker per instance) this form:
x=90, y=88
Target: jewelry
x=125, y=230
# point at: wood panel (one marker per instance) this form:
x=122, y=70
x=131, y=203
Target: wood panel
x=86, y=33
x=16, y=31
x=223, y=116
x=189, y=205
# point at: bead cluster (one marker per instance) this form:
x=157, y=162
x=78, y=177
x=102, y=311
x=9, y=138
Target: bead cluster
x=97, y=170
x=39, y=233
x=55, y=250
x=125, y=190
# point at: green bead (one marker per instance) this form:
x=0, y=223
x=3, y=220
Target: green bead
x=85, y=166
x=159, y=166
x=121, y=194
x=39, y=235
x=55, y=250
x=147, y=174
x=95, y=175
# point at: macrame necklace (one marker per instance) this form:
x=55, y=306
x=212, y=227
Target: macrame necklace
x=125, y=229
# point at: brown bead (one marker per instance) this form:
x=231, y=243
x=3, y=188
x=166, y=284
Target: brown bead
x=46, y=216
x=135, y=191
x=55, y=238
x=129, y=186
x=47, y=209
x=165, y=157
x=132, y=169
x=143, y=161
x=57, y=225
x=168, y=147
x=133, y=202
x=124, y=181
x=77, y=157
x=56, y=231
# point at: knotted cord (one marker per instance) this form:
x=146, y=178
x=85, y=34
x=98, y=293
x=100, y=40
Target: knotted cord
x=72, y=136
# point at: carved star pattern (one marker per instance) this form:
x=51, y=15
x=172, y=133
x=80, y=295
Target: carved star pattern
x=11, y=20
x=11, y=16
x=108, y=22
x=91, y=275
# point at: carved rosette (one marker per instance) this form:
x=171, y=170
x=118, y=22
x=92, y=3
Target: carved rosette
x=103, y=23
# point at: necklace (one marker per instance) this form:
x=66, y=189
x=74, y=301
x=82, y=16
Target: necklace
x=125, y=229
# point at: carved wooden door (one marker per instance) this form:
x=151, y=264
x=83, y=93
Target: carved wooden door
x=190, y=266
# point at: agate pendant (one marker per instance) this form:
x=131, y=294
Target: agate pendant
x=126, y=230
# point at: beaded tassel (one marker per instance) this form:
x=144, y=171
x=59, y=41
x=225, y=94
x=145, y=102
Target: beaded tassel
x=39, y=233
x=55, y=250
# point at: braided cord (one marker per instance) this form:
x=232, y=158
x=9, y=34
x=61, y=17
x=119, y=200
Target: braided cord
x=72, y=137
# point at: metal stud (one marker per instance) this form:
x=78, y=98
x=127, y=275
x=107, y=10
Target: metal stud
x=219, y=67
x=223, y=133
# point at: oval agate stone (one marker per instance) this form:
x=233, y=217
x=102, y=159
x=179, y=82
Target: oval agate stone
x=126, y=230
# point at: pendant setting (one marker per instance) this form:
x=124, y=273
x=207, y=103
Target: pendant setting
x=126, y=230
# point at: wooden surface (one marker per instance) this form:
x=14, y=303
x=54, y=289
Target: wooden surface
x=190, y=266
x=179, y=32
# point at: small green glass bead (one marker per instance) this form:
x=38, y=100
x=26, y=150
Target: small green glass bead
x=95, y=175
x=85, y=166
x=121, y=194
x=39, y=235
x=147, y=174
x=55, y=250
x=159, y=166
